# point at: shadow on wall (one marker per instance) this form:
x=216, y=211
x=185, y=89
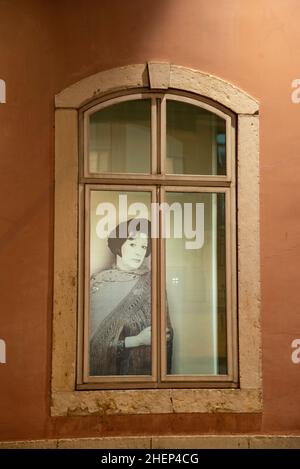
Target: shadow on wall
x=108, y=35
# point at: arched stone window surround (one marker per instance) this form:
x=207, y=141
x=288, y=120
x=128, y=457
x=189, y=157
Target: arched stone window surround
x=66, y=400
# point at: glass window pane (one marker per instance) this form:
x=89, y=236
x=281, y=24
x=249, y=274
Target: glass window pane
x=196, y=282
x=120, y=138
x=120, y=284
x=196, y=140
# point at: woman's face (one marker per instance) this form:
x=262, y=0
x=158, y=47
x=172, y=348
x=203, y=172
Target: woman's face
x=134, y=250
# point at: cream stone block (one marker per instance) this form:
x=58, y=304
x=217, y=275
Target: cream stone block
x=186, y=79
x=112, y=402
x=122, y=78
x=249, y=252
x=106, y=443
x=216, y=400
x=29, y=444
x=65, y=251
x=275, y=442
x=159, y=75
x=200, y=442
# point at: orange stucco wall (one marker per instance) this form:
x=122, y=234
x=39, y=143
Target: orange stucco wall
x=46, y=46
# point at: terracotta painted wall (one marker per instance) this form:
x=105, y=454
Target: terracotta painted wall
x=46, y=45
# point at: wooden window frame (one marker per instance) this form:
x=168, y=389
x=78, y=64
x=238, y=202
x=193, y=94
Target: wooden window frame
x=84, y=380
x=66, y=398
x=231, y=378
x=194, y=183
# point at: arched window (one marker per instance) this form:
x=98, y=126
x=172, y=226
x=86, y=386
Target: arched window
x=152, y=249
x=167, y=159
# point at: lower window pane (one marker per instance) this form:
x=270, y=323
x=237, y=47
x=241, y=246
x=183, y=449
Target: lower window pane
x=196, y=283
x=120, y=284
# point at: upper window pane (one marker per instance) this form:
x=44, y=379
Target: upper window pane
x=120, y=138
x=196, y=140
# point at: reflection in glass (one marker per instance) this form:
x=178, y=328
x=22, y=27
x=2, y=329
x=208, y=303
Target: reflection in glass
x=196, y=140
x=196, y=283
x=119, y=138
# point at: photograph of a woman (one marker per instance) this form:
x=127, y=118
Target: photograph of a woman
x=120, y=305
